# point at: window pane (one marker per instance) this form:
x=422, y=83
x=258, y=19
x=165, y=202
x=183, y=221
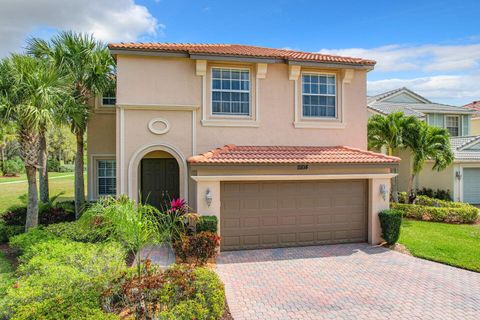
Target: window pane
x=231, y=94
x=216, y=73
x=106, y=171
x=318, y=95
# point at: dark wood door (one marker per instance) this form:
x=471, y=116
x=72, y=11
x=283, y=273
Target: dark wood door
x=160, y=181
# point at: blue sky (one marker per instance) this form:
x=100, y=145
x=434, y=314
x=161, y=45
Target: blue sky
x=432, y=47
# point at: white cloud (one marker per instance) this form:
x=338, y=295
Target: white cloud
x=108, y=20
x=426, y=58
x=454, y=89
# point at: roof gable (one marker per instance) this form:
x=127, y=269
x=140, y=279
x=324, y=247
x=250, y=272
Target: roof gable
x=404, y=97
x=473, y=144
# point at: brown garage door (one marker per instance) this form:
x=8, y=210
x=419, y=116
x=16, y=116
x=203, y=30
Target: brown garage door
x=290, y=213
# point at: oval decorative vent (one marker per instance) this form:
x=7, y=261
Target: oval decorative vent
x=159, y=126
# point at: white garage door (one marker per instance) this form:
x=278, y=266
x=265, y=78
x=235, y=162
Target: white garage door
x=471, y=185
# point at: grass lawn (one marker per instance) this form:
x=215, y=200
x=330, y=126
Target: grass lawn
x=9, y=192
x=456, y=245
x=23, y=176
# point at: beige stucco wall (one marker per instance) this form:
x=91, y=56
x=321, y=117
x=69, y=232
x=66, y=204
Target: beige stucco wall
x=167, y=81
x=434, y=179
x=404, y=169
x=475, y=127
x=101, y=142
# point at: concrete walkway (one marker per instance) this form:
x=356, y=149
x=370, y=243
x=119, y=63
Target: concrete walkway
x=161, y=255
x=349, y=281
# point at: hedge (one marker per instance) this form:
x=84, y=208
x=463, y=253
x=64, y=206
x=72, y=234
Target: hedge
x=464, y=213
x=390, y=221
x=207, y=223
x=61, y=279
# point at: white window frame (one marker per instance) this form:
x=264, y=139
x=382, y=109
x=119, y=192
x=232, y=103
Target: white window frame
x=226, y=115
x=107, y=105
x=302, y=116
x=459, y=125
x=105, y=177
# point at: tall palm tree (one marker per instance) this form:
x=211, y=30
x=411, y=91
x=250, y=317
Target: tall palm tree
x=387, y=132
x=30, y=92
x=427, y=143
x=91, y=68
x=7, y=135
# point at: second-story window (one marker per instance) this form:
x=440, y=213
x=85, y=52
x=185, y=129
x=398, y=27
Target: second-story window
x=230, y=91
x=452, y=124
x=319, y=95
x=109, y=98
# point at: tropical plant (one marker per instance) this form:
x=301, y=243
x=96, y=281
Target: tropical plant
x=427, y=143
x=91, y=68
x=173, y=220
x=388, y=132
x=7, y=134
x=123, y=220
x=31, y=90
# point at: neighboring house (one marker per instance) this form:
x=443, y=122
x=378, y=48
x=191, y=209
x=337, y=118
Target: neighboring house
x=475, y=106
x=273, y=142
x=463, y=176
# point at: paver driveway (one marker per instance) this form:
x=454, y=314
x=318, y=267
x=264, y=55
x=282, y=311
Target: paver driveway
x=348, y=281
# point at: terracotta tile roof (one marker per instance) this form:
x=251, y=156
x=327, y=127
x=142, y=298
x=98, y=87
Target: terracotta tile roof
x=240, y=50
x=232, y=154
x=475, y=106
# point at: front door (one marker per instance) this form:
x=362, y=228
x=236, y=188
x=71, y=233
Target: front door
x=160, y=181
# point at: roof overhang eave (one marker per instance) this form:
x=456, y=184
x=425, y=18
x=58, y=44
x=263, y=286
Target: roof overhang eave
x=224, y=57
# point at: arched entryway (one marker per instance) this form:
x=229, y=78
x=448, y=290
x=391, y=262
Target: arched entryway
x=159, y=179
x=157, y=173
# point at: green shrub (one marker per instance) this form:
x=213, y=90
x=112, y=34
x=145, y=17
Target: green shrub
x=96, y=260
x=437, y=194
x=197, y=248
x=34, y=236
x=464, y=214
x=207, y=223
x=390, y=221
x=6, y=231
x=431, y=202
x=13, y=167
x=76, y=231
x=53, y=165
x=61, y=279
x=66, y=168
x=177, y=293
x=51, y=212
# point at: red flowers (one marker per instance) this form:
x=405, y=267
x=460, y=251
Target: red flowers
x=177, y=204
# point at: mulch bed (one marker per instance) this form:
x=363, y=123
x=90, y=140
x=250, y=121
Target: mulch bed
x=227, y=315
x=10, y=254
x=399, y=248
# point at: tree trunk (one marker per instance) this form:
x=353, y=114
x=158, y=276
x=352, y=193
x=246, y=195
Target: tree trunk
x=410, y=185
x=2, y=159
x=32, y=208
x=394, y=180
x=42, y=167
x=79, y=181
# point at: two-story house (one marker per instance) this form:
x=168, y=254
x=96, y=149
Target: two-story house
x=463, y=176
x=272, y=142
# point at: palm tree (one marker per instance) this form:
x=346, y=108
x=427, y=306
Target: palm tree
x=7, y=135
x=30, y=93
x=91, y=68
x=427, y=143
x=387, y=132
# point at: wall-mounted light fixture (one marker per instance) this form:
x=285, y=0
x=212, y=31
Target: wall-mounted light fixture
x=458, y=175
x=208, y=197
x=383, y=191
